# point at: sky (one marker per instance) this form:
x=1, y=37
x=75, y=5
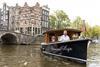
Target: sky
x=88, y=10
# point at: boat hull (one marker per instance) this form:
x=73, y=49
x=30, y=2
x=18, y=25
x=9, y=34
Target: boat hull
x=75, y=50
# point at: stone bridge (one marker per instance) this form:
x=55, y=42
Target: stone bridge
x=14, y=37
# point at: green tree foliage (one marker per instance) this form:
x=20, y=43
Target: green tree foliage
x=77, y=23
x=59, y=20
x=92, y=32
x=52, y=21
x=88, y=32
x=96, y=31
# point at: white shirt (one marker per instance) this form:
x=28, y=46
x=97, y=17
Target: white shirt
x=64, y=38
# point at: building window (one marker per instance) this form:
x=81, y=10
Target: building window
x=43, y=11
x=47, y=25
x=35, y=30
x=32, y=16
x=29, y=30
x=16, y=28
x=21, y=30
x=47, y=19
x=38, y=30
x=25, y=22
x=26, y=30
x=47, y=13
x=43, y=17
x=43, y=24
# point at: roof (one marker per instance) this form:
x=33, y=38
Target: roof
x=60, y=30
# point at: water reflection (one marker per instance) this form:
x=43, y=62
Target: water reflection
x=7, y=50
x=94, y=55
x=29, y=56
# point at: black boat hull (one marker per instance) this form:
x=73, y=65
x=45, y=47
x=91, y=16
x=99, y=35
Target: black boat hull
x=76, y=50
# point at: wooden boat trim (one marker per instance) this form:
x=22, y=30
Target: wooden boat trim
x=64, y=42
x=61, y=56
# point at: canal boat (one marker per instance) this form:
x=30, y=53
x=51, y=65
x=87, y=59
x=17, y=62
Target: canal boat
x=76, y=49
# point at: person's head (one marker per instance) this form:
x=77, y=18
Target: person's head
x=53, y=39
x=65, y=32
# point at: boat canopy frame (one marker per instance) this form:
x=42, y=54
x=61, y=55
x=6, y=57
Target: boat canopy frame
x=49, y=33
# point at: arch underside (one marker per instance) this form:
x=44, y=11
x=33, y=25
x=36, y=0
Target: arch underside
x=9, y=38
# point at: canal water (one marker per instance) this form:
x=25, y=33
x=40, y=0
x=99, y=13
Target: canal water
x=30, y=56
x=94, y=55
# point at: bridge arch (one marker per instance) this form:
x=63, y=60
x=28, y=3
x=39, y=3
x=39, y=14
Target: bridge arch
x=9, y=38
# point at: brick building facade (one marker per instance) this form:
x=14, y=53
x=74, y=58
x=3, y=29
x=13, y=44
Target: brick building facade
x=29, y=20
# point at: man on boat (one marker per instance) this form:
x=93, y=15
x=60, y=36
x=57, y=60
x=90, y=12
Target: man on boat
x=64, y=37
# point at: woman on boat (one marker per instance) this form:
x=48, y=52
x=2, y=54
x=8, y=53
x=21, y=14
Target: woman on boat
x=53, y=39
x=54, y=48
x=75, y=36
